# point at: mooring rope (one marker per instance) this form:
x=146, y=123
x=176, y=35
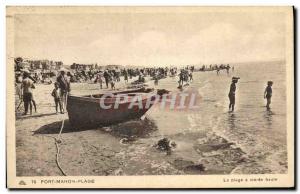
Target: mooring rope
x=58, y=139
x=57, y=157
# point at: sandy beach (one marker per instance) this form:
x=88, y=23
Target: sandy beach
x=104, y=151
x=129, y=148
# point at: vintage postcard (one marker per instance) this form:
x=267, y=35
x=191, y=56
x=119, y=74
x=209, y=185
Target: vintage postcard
x=150, y=97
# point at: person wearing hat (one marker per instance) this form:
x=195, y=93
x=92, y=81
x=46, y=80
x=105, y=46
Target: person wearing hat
x=231, y=94
x=64, y=85
x=27, y=86
x=268, y=94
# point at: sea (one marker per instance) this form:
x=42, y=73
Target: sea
x=261, y=134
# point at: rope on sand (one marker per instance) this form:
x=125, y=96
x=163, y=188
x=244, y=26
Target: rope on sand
x=58, y=140
x=57, y=157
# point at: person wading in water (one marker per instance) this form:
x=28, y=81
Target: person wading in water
x=268, y=94
x=231, y=94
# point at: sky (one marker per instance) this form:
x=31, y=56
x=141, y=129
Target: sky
x=165, y=38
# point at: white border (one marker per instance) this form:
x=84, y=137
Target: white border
x=95, y=2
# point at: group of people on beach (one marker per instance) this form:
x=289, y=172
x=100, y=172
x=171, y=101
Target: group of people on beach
x=25, y=83
x=222, y=67
x=79, y=75
x=185, y=75
x=109, y=77
x=216, y=67
x=59, y=93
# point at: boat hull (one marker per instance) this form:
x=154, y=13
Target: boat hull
x=86, y=112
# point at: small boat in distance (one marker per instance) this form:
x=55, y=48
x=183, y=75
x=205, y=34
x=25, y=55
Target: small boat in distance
x=86, y=111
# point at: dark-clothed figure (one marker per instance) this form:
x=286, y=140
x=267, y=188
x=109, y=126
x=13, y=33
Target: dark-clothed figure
x=27, y=86
x=106, y=77
x=268, y=94
x=191, y=76
x=181, y=78
x=64, y=85
x=56, y=93
x=231, y=94
x=125, y=76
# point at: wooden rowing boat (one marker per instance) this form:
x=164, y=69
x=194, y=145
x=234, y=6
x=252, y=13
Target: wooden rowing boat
x=85, y=111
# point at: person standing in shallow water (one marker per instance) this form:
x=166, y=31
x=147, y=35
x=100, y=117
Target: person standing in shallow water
x=191, y=76
x=231, y=94
x=268, y=94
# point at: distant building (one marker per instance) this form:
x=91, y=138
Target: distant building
x=114, y=66
x=84, y=67
x=45, y=64
x=38, y=64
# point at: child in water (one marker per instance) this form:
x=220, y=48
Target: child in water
x=57, y=97
x=268, y=94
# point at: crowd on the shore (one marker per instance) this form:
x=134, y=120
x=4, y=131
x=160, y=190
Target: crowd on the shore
x=25, y=82
x=115, y=73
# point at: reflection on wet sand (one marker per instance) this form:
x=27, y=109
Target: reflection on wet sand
x=231, y=121
x=268, y=118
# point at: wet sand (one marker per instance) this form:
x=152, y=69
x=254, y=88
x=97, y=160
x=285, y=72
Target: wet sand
x=123, y=149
